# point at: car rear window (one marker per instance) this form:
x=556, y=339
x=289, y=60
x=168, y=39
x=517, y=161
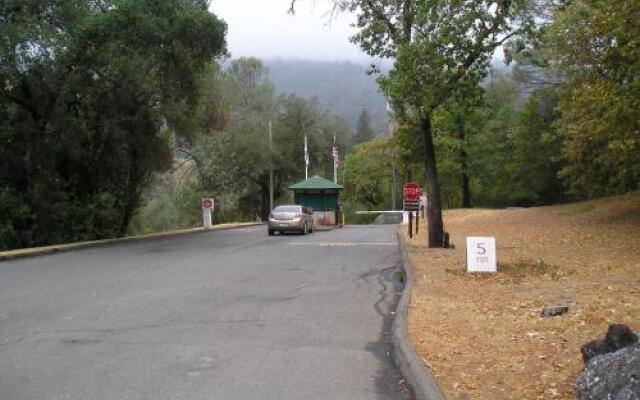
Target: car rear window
x=287, y=209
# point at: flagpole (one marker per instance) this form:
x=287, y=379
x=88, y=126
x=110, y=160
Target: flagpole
x=306, y=159
x=270, y=168
x=335, y=164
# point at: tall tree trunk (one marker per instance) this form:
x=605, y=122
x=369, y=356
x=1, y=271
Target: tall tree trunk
x=434, y=200
x=466, y=191
x=464, y=165
x=264, y=200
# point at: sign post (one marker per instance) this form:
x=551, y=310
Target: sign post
x=410, y=225
x=207, y=207
x=481, y=254
x=423, y=205
x=411, y=202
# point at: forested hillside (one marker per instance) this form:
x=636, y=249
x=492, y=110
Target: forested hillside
x=562, y=125
x=113, y=111
x=231, y=156
x=342, y=88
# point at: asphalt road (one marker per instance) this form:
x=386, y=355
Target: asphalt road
x=231, y=314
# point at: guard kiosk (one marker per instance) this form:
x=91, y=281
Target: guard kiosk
x=320, y=194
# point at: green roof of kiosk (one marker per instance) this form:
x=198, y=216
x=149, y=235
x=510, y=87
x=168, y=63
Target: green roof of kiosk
x=316, y=183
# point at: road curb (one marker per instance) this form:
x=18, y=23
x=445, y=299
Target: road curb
x=61, y=248
x=418, y=376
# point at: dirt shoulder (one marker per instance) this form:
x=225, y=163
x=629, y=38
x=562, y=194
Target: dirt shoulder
x=483, y=336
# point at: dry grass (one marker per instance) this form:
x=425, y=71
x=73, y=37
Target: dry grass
x=483, y=335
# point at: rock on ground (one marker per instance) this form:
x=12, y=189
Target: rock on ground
x=617, y=337
x=552, y=311
x=612, y=376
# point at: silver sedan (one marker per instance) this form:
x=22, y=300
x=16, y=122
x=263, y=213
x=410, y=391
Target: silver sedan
x=291, y=218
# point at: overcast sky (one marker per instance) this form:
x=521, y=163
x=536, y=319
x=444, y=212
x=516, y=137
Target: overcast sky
x=264, y=29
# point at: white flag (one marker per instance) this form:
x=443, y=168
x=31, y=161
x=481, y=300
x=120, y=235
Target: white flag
x=306, y=152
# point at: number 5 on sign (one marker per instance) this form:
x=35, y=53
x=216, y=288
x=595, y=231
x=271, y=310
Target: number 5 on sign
x=481, y=254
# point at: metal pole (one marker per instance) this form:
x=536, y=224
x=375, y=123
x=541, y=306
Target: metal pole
x=410, y=224
x=335, y=165
x=393, y=184
x=393, y=157
x=306, y=158
x=206, y=218
x=270, y=168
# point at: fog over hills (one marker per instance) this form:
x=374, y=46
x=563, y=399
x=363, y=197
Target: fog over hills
x=342, y=88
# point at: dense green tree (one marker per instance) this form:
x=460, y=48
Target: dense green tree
x=503, y=143
x=368, y=175
x=247, y=155
x=536, y=158
x=236, y=159
x=363, y=129
x=90, y=90
x=515, y=154
x=596, y=46
x=457, y=123
x=441, y=49
x=299, y=117
x=493, y=145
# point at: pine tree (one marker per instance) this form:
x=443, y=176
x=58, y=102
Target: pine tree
x=363, y=130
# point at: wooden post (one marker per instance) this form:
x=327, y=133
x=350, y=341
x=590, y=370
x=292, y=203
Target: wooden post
x=417, y=222
x=410, y=224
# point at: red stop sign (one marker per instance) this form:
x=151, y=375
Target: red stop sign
x=411, y=191
x=207, y=204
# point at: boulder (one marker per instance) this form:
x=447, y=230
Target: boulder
x=594, y=348
x=553, y=311
x=611, y=376
x=617, y=337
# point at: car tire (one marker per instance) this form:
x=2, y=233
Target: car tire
x=271, y=232
x=305, y=229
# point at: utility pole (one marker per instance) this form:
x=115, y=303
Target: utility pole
x=393, y=183
x=270, y=168
x=393, y=158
